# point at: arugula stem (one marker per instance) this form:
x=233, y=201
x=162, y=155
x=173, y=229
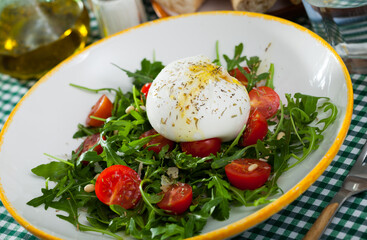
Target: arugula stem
x=158, y=211
x=136, y=98
x=154, y=56
x=217, y=60
x=71, y=183
x=269, y=81
x=59, y=159
x=305, y=153
x=98, y=118
x=85, y=129
x=280, y=123
x=294, y=125
x=144, y=77
x=235, y=141
x=93, y=90
x=86, y=228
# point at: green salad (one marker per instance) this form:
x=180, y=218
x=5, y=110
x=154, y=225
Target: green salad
x=131, y=179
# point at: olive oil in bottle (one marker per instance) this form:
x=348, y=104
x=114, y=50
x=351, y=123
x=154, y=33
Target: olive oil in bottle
x=36, y=35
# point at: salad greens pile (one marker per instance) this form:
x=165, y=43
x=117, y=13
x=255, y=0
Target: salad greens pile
x=299, y=122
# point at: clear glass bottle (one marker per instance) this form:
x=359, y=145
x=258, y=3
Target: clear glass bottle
x=36, y=35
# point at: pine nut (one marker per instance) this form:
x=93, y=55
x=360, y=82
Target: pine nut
x=140, y=168
x=143, y=108
x=89, y=188
x=95, y=177
x=252, y=167
x=280, y=135
x=129, y=109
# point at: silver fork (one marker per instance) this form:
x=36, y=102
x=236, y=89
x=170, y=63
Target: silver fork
x=354, y=183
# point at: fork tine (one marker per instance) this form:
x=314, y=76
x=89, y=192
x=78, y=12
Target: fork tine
x=362, y=156
x=359, y=168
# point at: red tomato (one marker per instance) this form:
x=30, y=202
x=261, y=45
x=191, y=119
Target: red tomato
x=177, y=199
x=102, y=109
x=240, y=77
x=160, y=140
x=242, y=176
x=145, y=89
x=265, y=100
x=201, y=148
x=118, y=185
x=256, y=129
x=89, y=142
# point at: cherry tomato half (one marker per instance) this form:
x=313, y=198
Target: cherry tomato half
x=239, y=75
x=102, y=109
x=265, y=100
x=243, y=174
x=145, y=89
x=89, y=142
x=118, y=185
x=177, y=199
x=256, y=129
x=201, y=148
x=160, y=140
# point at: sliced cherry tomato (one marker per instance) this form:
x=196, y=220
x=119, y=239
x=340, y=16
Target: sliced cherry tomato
x=89, y=142
x=256, y=129
x=118, y=185
x=243, y=174
x=177, y=199
x=160, y=140
x=239, y=75
x=202, y=148
x=102, y=109
x=145, y=89
x=265, y=100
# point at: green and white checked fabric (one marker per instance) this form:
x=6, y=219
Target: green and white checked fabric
x=292, y=222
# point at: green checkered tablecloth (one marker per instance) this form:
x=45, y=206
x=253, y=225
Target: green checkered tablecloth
x=292, y=222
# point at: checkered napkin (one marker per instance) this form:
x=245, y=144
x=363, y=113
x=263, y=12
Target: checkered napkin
x=292, y=222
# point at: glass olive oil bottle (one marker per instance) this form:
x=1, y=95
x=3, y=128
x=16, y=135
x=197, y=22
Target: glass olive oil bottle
x=36, y=35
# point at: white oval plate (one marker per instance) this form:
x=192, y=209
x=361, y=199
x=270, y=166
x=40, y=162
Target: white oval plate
x=46, y=118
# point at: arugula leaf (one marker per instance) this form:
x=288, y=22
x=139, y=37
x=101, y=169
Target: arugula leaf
x=220, y=190
x=171, y=231
x=328, y=107
x=253, y=78
x=53, y=170
x=186, y=161
x=90, y=157
x=47, y=198
x=149, y=70
x=237, y=58
x=85, y=131
x=220, y=162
